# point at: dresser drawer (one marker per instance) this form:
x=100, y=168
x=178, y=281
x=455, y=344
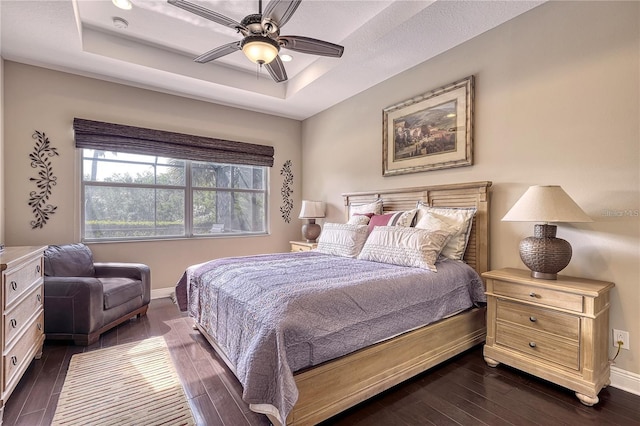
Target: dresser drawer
x=16, y=319
x=539, y=295
x=15, y=357
x=539, y=345
x=558, y=323
x=18, y=280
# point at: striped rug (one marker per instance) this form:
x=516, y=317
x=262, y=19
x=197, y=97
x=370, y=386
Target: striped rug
x=130, y=384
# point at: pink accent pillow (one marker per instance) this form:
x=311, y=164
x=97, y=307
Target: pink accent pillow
x=379, y=220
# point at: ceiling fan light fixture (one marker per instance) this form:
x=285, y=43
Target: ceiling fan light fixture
x=122, y=4
x=259, y=49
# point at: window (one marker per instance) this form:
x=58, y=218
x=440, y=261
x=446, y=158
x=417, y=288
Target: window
x=134, y=196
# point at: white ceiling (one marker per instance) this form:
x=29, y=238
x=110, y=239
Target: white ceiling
x=381, y=38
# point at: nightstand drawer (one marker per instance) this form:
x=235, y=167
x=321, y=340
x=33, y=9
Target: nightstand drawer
x=539, y=295
x=539, y=345
x=302, y=246
x=558, y=323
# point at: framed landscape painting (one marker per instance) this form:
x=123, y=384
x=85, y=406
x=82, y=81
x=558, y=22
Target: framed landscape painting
x=432, y=131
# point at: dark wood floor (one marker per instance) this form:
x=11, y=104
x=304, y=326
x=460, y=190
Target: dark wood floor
x=463, y=391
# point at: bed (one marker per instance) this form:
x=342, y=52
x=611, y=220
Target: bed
x=325, y=384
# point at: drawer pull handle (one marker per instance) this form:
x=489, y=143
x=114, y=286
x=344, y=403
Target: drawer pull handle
x=532, y=344
x=532, y=294
x=38, y=298
x=14, y=360
x=39, y=327
x=533, y=319
x=14, y=285
x=13, y=323
x=38, y=268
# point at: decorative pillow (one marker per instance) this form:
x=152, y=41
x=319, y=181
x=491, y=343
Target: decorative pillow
x=342, y=239
x=375, y=208
x=458, y=219
x=360, y=219
x=393, y=219
x=404, y=246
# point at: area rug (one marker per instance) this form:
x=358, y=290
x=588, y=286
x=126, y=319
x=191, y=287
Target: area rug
x=130, y=384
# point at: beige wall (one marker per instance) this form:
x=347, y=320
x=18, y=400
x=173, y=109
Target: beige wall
x=45, y=100
x=1, y=151
x=557, y=102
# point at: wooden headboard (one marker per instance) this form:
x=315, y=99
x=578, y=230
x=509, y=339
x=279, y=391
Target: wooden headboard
x=472, y=194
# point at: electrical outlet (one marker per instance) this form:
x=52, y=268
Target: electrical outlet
x=621, y=336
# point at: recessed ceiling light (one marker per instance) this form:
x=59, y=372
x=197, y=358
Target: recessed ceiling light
x=120, y=23
x=286, y=58
x=123, y=4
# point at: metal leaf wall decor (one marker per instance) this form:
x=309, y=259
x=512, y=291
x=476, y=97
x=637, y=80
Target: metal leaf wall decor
x=286, y=191
x=40, y=159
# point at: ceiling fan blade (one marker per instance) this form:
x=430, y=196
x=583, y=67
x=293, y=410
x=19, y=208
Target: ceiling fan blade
x=276, y=70
x=311, y=46
x=218, y=52
x=206, y=13
x=280, y=11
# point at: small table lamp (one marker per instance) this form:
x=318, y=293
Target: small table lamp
x=311, y=210
x=543, y=253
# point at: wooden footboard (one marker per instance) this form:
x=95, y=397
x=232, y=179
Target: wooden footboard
x=334, y=386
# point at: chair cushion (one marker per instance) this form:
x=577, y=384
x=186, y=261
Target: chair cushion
x=120, y=290
x=70, y=260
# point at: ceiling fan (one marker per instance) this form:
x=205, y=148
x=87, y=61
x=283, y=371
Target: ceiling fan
x=262, y=40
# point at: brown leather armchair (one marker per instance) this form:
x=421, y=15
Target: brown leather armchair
x=83, y=299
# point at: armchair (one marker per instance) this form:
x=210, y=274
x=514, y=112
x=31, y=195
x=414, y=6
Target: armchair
x=83, y=299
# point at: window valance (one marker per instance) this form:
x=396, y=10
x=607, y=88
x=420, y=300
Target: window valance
x=137, y=140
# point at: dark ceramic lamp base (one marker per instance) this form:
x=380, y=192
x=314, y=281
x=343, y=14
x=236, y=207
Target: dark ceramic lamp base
x=545, y=254
x=311, y=231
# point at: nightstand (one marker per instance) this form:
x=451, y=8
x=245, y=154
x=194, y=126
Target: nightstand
x=302, y=246
x=554, y=329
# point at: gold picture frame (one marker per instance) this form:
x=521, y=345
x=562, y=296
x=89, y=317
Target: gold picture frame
x=432, y=131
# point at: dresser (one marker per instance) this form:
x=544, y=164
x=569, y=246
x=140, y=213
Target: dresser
x=22, y=314
x=554, y=329
x=302, y=246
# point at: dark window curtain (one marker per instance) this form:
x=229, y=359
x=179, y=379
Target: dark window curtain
x=137, y=140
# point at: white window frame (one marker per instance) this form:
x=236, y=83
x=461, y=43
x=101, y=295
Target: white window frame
x=188, y=203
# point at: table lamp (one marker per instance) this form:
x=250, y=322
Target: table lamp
x=543, y=253
x=311, y=210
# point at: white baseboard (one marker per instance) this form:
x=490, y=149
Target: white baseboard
x=159, y=293
x=620, y=379
x=625, y=380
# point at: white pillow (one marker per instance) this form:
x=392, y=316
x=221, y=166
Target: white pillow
x=342, y=239
x=458, y=220
x=375, y=208
x=404, y=246
x=358, y=219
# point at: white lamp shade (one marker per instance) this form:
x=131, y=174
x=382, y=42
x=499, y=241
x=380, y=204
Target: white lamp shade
x=546, y=204
x=311, y=209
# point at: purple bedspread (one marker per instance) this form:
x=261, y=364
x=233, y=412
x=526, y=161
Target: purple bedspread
x=273, y=315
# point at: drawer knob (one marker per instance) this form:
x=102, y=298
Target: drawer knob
x=533, y=319
x=532, y=344
x=38, y=297
x=532, y=294
x=39, y=327
x=13, y=323
x=14, y=360
x=38, y=268
x=14, y=285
